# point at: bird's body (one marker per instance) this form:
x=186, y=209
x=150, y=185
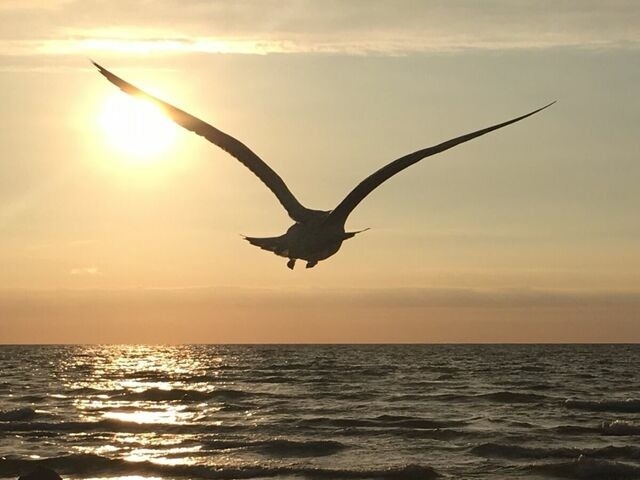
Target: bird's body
x=316, y=234
x=314, y=240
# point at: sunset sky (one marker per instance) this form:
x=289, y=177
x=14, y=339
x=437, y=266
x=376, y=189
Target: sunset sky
x=528, y=234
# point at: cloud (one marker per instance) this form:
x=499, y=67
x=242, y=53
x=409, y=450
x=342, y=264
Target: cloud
x=305, y=26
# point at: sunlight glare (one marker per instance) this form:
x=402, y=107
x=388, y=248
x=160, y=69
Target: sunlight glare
x=136, y=128
x=145, y=416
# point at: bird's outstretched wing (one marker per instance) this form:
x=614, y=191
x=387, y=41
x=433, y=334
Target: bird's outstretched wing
x=226, y=142
x=339, y=215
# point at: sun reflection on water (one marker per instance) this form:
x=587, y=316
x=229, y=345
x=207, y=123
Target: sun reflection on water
x=133, y=367
x=141, y=385
x=145, y=416
x=169, y=456
x=126, y=477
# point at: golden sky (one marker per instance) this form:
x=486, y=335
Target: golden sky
x=528, y=234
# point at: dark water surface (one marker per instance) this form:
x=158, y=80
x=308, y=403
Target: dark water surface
x=322, y=412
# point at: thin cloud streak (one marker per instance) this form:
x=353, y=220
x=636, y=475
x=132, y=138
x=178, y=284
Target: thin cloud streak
x=300, y=26
x=397, y=47
x=399, y=297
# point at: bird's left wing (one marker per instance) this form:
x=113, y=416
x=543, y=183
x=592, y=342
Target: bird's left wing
x=339, y=215
x=226, y=142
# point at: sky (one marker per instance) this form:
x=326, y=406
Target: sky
x=528, y=234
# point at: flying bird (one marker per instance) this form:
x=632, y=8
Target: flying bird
x=316, y=234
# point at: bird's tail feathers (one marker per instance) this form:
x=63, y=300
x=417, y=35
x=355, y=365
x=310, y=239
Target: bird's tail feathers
x=276, y=245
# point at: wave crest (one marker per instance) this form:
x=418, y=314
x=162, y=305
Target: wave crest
x=382, y=421
x=513, y=397
x=620, y=427
x=17, y=414
x=183, y=395
x=496, y=450
x=589, y=468
x=621, y=406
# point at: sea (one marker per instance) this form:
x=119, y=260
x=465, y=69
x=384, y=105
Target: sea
x=397, y=412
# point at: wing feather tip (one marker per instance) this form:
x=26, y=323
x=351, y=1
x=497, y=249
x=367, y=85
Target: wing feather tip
x=98, y=66
x=547, y=105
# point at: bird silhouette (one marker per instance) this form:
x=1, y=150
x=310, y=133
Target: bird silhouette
x=316, y=234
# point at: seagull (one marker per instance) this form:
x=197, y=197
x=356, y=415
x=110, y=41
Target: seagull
x=316, y=234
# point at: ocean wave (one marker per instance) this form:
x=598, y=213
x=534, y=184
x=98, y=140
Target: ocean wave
x=505, y=396
x=407, y=397
x=378, y=371
x=290, y=448
x=620, y=406
x=155, y=394
x=358, y=395
x=291, y=366
x=614, y=427
x=88, y=391
x=282, y=447
x=532, y=368
x=575, y=430
x=589, y=468
x=492, y=450
x=521, y=424
x=89, y=465
x=620, y=427
x=238, y=407
x=203, y=378
x=440, y=434
x=528, y=384
x=416, y=422
x=113, y=425
x=513, y=397
x=34, y=398
x=17, y=414
x=382, y=421
x=144, y=375
x=441, y=369
x=183, y=395
x=275, y=379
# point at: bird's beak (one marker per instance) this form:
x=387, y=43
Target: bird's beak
x=348, y=235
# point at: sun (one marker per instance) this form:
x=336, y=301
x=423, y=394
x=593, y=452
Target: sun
x=136, y=128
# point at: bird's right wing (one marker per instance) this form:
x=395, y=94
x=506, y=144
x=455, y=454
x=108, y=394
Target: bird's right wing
x=339, y=215
x=226, y=142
